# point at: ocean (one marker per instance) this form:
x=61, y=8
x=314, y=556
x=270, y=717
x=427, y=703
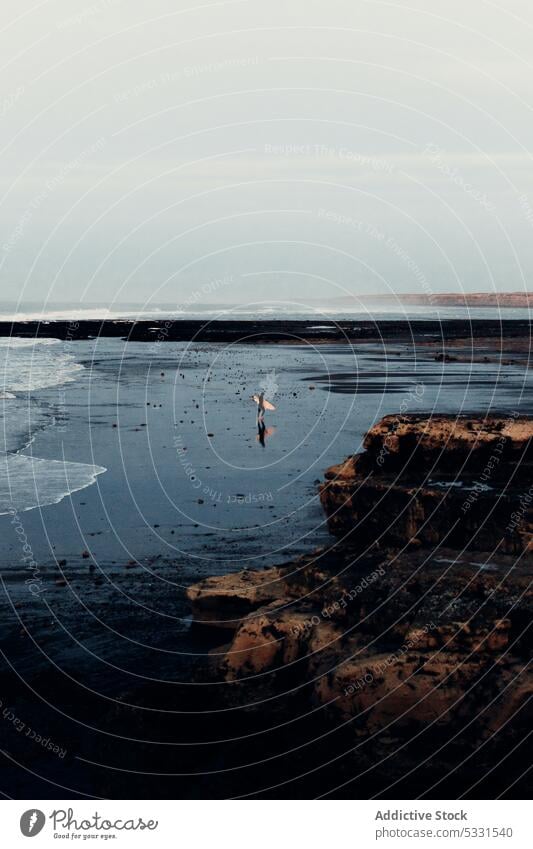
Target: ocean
x=258, y=310
x=166, y=436
x=27, y=370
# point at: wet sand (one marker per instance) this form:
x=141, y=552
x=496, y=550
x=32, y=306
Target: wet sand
x=105, y=655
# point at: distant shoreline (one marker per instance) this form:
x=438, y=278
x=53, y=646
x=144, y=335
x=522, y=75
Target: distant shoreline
x=262, y=331
x=501, y=300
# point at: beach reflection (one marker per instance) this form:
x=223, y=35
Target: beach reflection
x=264, y=433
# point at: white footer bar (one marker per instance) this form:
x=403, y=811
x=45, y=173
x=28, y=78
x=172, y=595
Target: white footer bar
x=264, y=824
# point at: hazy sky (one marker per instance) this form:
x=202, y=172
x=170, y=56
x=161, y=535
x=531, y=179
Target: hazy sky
x=166, y=151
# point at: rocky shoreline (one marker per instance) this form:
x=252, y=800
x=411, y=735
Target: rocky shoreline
x=412, y=630
x=318, y=330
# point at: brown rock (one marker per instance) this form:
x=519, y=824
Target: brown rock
x=397, y=625
x=223, y=601
x=460, y=481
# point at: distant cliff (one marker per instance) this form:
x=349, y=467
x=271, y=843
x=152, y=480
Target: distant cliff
x=450, y=299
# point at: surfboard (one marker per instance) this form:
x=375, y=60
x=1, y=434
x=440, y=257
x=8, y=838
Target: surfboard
x=266, y=404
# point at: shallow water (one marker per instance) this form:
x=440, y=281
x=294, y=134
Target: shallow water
x=93, y=608
x=27, y=369
x=164, y=443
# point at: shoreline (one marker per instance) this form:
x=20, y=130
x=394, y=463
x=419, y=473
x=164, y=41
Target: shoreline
x=412, y=625
x=262, y=331
x=112, y=636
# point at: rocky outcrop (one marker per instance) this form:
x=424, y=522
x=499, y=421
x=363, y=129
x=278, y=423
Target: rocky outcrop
x=222, y=602
x=459, y=482
x=399, y=626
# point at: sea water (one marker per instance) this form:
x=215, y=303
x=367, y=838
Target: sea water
x=267, y=310
x=27, y=367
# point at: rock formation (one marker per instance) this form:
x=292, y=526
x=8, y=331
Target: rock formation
x=440, y=480
x=417, y=616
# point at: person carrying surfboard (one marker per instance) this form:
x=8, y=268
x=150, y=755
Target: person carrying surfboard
x=262, y=405
x=268, y=385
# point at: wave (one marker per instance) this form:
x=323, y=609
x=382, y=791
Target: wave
x=396, y=312
x=16, y=342
x=27, y=483
x=30, y=364
x=93, y=314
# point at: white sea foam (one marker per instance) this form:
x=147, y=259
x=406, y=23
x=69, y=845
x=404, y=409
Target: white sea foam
x=365, y=309
x=20, y=419
x=30, y=364
x=29, y=482
x=90, y=314
x=26, y=366
x=18, y=342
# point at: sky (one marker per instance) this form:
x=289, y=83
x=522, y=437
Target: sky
x=176, y=152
